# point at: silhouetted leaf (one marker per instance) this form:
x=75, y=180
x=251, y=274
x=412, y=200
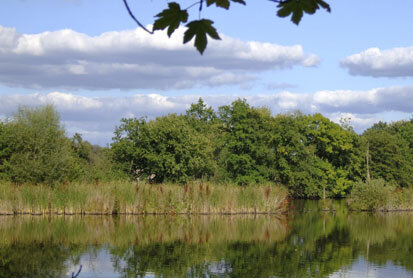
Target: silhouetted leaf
x=325, y=5
x=239, y=1
x=219, y=3
x=200, y=29
x=224, y=3
x=296, y=8
x=171, y=18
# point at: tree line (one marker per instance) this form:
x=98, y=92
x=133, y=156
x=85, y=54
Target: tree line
x=309, y=154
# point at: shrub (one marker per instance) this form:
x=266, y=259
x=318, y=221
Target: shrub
x=375, y=195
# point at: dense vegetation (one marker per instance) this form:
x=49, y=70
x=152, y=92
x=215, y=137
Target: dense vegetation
x=309, y=154
x=122, y=197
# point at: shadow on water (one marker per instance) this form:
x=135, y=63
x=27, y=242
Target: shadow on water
x=318, y=239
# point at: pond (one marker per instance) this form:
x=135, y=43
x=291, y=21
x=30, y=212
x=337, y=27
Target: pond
x=308, y=242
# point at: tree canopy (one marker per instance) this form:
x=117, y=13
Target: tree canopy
x=237, y=143
x=200, y=29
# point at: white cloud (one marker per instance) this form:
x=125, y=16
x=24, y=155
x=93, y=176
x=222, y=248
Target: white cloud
x=96, y=117
x=395, y=62
x=377, y=100
x=133, y=59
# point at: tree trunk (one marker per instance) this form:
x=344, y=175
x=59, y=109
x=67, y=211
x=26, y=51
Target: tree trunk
x=367, y=163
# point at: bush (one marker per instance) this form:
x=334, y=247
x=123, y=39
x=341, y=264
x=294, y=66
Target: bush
x=39, y=151
x=375, y=195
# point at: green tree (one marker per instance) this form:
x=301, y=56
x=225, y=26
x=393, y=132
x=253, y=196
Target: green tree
x=390, y=155
x=314, y=156
x=168, y=147
x=246, y=156
x=338, y=146
x=37, y=147
x=128, y=147
x=5, y=148
x=200, y=116
x=92, y=162
x=174, y=15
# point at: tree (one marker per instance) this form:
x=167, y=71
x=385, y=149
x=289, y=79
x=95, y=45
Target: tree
x=314, y=156
x=35, y=147
x=168, y=147
x=91, y=162
x=339, y=148
x=5, y=148
x=246, y=156
x=173, y=16
x=390, y=153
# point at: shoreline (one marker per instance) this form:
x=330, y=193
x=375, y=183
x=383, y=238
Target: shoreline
x=146, y=213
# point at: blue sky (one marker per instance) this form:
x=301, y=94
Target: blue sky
x=88, y=58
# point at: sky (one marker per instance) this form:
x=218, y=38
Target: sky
x=91, y=61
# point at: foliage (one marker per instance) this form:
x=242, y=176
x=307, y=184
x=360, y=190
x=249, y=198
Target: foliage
x=375, y=195
x=309, y=154
x=5, y=148
x=168, y=147
x=173, y=16
x=391, y=152
x=37, y=150
x=246, y=156
x=297, y=8
x=314, y=156
x=380, y=195
x=92, y=162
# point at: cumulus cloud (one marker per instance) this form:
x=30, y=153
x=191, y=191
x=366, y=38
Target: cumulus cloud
x=133, y=59
x=395, y=62
x=96, y=117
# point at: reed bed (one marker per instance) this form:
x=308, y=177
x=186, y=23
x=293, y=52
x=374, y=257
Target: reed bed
x=124, y=197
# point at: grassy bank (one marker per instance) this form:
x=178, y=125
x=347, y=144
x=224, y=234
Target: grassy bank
x=125, y=197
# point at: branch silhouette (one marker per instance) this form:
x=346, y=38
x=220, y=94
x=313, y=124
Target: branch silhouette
x=135, y=19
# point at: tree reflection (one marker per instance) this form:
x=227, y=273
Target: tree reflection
x=309, y=243
x=34, y=260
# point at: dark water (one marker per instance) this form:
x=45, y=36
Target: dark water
x=307, y=243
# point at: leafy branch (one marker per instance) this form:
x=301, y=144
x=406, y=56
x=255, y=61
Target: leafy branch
x=173, y=16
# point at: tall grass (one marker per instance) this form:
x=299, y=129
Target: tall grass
x=124, y=197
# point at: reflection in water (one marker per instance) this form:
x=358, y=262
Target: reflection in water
x=307, y=243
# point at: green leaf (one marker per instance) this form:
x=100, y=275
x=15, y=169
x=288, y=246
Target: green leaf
x=219, y=3
x=171, y=18
x=296, y=8
x=200, y=29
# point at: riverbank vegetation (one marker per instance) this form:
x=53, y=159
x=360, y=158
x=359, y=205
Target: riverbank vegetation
x=231, y=148
x=125, y=197
x=376, y=195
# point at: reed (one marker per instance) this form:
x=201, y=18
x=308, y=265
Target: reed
x=125, y=197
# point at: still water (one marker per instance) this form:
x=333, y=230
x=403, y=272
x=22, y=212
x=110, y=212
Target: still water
x=309, y=242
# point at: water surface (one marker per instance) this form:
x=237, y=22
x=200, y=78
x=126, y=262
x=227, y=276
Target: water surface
x=309, y=242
